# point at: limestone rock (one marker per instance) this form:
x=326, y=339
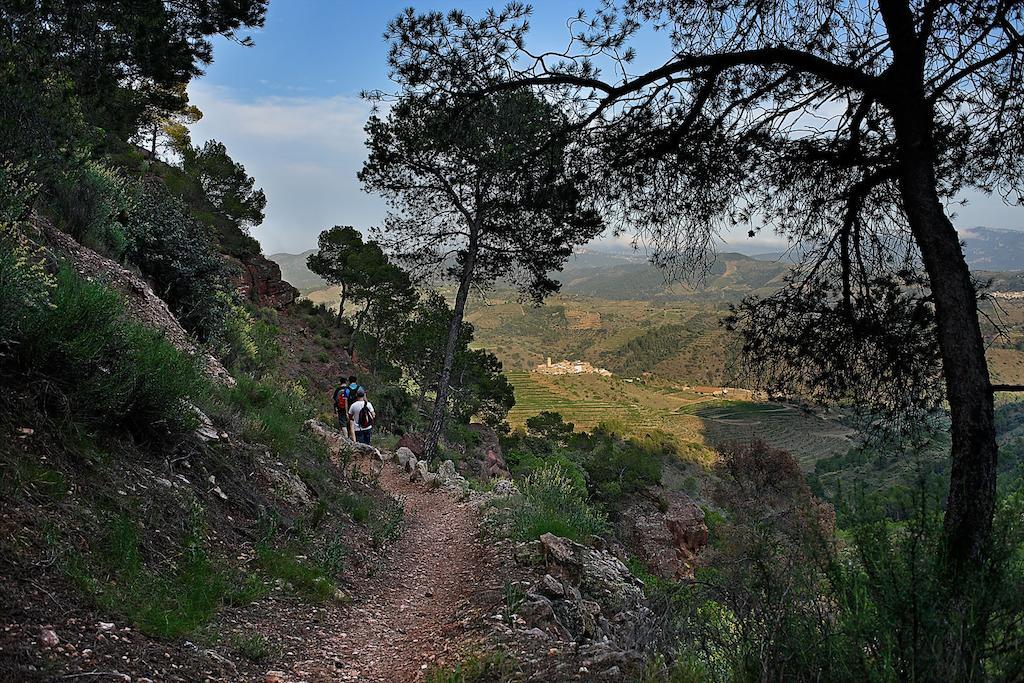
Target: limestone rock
x=338, y=443
x=552, y=587
x=420, y=472
x=402, y=456
x=538, y=611
x=593, y=594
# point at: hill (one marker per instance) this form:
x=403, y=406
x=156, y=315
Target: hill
x=993, y=248
x=294, y=270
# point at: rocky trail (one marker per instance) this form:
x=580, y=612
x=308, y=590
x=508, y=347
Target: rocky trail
x=423, y=607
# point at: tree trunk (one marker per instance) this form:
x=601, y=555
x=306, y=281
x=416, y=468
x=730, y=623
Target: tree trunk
x=341, y=304
x=441, y=403
x=355, y=330
x=972, y=484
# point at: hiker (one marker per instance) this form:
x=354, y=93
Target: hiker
x=340, y=402
x=350, y=397
x=362, y=416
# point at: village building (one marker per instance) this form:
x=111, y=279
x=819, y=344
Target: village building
x=567, y=367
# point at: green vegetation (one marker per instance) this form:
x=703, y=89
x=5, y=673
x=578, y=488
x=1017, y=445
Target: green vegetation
x=71, y=337
x=256, y=648
x=549, y=502
x=489, y=668
x=306, y=578
x=266, y=411
x=171, y=600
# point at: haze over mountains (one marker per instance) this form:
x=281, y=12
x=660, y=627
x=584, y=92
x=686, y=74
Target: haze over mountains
x=620, y=273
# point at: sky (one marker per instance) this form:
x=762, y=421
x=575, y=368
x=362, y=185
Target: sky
x=289, y=110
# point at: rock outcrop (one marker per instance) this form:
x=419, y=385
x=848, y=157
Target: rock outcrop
x=585, y=595
x=666, y=535
x=344, y=449
x=259, y=280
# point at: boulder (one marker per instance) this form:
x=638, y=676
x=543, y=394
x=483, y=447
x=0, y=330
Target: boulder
x=420, y=473
x=402, y=456
x=414, y=443
x=537, y=612
x=552, y=587
x=447, y=475
x=410, y=464
x=338, y=443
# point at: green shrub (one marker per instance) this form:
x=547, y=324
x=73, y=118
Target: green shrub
x=395, y=410
x=255, y=647
x=25, y=286
x=248, y=344
x=306, y=578
x=778, y=598
x=110, y=371
x=493, y=667
x=550, y=502
x=176, y=253
x=267, y=411
x=92, y=203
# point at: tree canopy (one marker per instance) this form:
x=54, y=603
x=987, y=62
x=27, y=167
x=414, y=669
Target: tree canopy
x=476, y=193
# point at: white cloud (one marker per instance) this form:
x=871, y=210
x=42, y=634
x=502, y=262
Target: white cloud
x=304, y=152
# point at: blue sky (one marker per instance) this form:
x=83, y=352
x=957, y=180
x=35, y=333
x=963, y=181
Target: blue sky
x=289, y=109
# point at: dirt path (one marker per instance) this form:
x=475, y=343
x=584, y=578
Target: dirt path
x=423, y=607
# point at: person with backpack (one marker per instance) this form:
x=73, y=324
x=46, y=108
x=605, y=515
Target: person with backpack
x=362, y=416
x=345, y=396
x=340, y=402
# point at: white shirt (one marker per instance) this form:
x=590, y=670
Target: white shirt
x=355, y=409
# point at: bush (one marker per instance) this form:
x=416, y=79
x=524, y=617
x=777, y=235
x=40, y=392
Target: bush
x=265, y=411
x=25, y=286
x=92, y=203
x=395, y=410
x=108, y=370
x=550, y=502
x=170, y=601
x=175, y=252
x=248, y=344
x=779, y=599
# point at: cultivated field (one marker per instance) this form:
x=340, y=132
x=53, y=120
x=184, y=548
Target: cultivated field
x=695, y=420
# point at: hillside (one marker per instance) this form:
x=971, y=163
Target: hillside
x=294, y=270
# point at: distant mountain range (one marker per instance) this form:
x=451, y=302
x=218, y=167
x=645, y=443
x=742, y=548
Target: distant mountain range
x=626, y=274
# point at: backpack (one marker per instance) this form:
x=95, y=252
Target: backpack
x=341, y=399
x=365, y=416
